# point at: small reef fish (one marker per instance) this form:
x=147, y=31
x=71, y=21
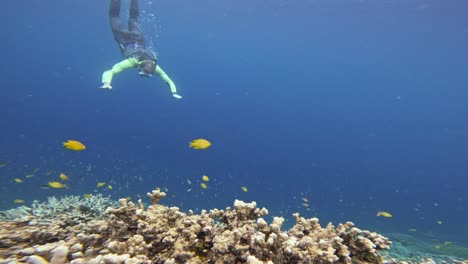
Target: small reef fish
x=100, y=184
x=74, y=145
x=244, y=189
x=35, y=170
x=305, y=204
x=55, y=185
x=203, y=185
x=305, y=199
x=3, y=164
x=189, y=181
x=205, y=178
x=199, y=143
x=109, y=187
x=63, y=177
x=29, y=176
x=18, y=180
x=18, y=201
x=439, y=222
x=384, y=214
x=87, y=195
x=412, y=230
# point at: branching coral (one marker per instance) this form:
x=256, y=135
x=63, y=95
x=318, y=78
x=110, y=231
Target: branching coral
x=72, y=209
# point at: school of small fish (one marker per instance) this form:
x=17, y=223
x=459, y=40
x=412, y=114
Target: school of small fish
x=197, y=144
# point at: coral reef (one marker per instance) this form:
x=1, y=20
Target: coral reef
x=160, y=234
x=73, y=209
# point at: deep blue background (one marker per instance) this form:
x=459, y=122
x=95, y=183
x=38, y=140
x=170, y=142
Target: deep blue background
x=359, y=106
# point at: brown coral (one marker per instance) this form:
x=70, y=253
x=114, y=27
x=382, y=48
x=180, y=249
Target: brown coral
x=163, y=234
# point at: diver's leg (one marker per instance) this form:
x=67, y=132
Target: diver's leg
x=133, y=24
x=134, y=9
x=114, y=8
x=117, y=26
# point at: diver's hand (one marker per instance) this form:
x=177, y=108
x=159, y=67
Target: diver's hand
x=176, y=96
x=106, y=86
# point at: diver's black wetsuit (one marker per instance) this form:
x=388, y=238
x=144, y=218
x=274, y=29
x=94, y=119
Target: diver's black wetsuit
x=131, y=41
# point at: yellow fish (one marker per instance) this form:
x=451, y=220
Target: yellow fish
x=109, y=187
x=244, y=188
x=63, y=177
x=100, y=184
x=305, y=204
x=87, y=195
x=18, y=201
x=203, y=185
x=18, y=180
x=384, y=214
x=199, y=144
x=205, y=178
x=74, y=145
x=55, y=185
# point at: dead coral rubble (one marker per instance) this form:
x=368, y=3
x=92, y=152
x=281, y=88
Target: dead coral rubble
x=163, y=234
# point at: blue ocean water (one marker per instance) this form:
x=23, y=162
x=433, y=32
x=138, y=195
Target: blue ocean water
x=354, y=106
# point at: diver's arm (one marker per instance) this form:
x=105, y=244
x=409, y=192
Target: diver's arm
x=167, y=80
x=117, y=68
